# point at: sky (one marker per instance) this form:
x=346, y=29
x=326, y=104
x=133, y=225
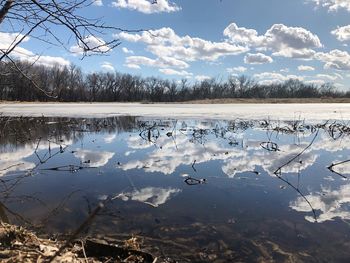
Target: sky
x=269, y=40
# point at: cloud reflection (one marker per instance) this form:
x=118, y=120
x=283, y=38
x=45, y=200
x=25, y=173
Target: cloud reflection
x=94, y=158
x=331, y=204
x=153, y=196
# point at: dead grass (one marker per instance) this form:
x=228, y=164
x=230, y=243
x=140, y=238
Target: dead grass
x=269, y=101
x=211, y=101
x=20, y=245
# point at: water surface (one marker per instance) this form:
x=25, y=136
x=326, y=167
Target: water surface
x=194, y=190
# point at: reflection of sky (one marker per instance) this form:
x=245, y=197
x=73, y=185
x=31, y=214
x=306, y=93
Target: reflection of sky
x=168, y=156
x=93, y=158
x=331, y=204
x=153, y=196
x=110, y=138
x=232, y=152
x=342, y=168
x=14, y=159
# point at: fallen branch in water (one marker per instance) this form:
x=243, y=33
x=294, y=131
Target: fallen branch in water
x=336, y=164
x=278, y=173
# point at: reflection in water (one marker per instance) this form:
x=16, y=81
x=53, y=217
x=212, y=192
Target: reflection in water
x=13, y=160
x=93, y=158
x=331, y=204
x=265, y=182
x=153, y=196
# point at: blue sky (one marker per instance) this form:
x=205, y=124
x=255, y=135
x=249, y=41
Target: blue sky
x=270, y=40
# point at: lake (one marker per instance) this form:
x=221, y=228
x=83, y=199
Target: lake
x=193, y=189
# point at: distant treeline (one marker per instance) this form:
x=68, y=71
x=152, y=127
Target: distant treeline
x=71, y=85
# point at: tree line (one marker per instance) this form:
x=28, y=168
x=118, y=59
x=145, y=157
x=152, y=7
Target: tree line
x=70, y=84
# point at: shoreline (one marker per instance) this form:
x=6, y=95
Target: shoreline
x=248, y=111
x=325, y=100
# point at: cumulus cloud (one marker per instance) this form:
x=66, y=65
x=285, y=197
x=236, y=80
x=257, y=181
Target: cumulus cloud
x=8, y=39
x=335, y=59
x=107, y=66
x=243, y=35
x=327, y=77
x=333, y=5
x=147, y=6
x=202, y=77
x=305, y=68
x=342, y=33
x=257, y=58
x=316, y=82
x=274, y=77
x=127, y=51
x=165, y=42
x=97, y=2
x=294, y=42
x=163, y=62
x=94, y=44
x=236, y=69
x=168, y=71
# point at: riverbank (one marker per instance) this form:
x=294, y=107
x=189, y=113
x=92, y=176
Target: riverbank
x=18, y=244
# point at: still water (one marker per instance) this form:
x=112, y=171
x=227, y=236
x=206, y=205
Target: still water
x=192, y=190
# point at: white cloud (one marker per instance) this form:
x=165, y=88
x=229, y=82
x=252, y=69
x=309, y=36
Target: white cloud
x=243, y=35
x=97, y=2
x=236, y=69
x=127, y=51
x=280, y=36
x=305, y=54
x=257, y=58
x=94, y=44
x=107, y=66
x=274, y=77
x=295, y=42
x=333, y=5
x=342, y=33
x=327, y=77
x=168, y=71
x=305, y=68
x=8, y=39
x=163, y=62
x=316, y=82
x=335, y=59
x=165, y=42
x=202, y=77
x=147, y=6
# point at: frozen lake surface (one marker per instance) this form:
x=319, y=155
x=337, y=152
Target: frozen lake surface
x=214, y=111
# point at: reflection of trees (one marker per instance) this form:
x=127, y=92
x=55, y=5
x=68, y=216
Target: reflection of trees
x=24, y=130
x=177, y=143
x=45, y=139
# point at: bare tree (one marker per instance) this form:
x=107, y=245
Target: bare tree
x=42, y=19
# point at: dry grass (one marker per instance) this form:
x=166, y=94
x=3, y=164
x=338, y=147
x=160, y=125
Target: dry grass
x=214, y=101
x=269, y=101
